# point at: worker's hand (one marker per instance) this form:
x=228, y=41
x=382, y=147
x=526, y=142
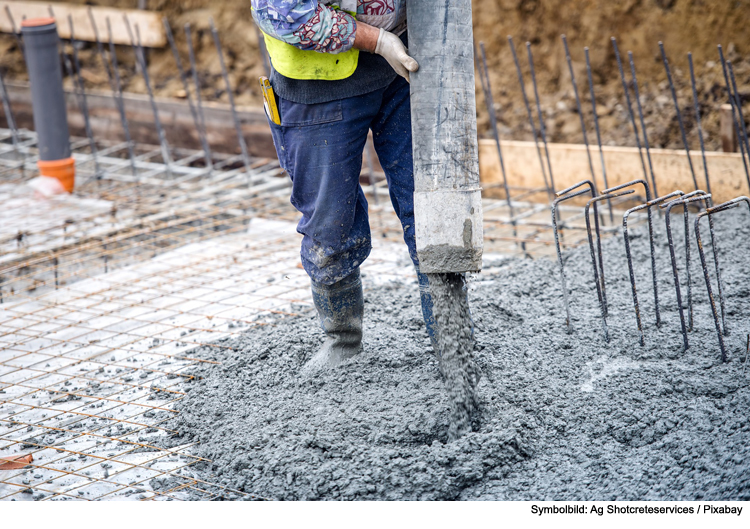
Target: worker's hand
x=391, y=48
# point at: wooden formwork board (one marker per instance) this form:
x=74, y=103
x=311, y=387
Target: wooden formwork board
x=148, y=22
x=570, y=165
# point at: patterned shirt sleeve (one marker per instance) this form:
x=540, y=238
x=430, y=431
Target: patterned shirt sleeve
x=306, y=24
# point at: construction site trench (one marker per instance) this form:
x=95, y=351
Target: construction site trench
x=562, y=416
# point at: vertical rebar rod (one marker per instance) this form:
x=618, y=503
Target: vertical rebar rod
x=598, y=132
x=8, y=113
x=564, y=195
x=677, y=111
x=738, y=104
x=629, y=255
x=16, y=33
x=594, y=195
x=490, y=103
x=531, y=117
x=597, y=281
x=578, y=106
x=702, y=196
x=262, y=50
x=730, y=94
x=230, y=94
x=673, y=257
x=698, y=122
x=630, y=107
x=140, y=60
x=197, y=83
x=117, y=90
x=78, y=80
x=649, y=199
x=110, y=77
x=563, y=282
x=99, y=45
x=186, y=87
x=542, y=128
x=643, y=123
x=707, y=278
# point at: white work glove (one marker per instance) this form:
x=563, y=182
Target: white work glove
x=391, y=48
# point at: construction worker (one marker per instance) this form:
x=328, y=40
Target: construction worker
x=341, y=69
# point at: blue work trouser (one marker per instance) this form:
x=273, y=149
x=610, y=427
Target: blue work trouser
x=321, y=147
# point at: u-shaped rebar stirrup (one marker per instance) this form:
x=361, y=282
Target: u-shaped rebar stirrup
x=649, y=198
x=600, y=292
x=707, y=213
x=694, y=196
x=683, y=201
x=563, y=197
x=647, y=206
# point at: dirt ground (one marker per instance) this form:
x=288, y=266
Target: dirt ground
x=695, y=26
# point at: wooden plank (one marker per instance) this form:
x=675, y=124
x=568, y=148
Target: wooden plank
x=174, y=114
x=570, y=165
x=148, y=22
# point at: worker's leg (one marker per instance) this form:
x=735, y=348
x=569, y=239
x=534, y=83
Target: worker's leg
x=392, y=137
x=320, y=146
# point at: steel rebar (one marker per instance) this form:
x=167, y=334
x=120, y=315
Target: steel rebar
x=677, y=111
x=649, y=198
x=578, y=106
x=643, y=123
x=628, y=253
x=732, y=102
x=193, y=112
x=117, y=91
x=542, y=128
x=738, y=104
x=698, y=122
x=230, y=95
x=598, y=283
x=562, y=196
x=141, y=60
x=262, y=50
x=630, y=107
x=9, y=113
x=678, y=291
x=594, y=194
x=598, y=132
x=78, y=81
x=197, y=83
x=16, y=33
x=484, y=78
x=700, y=196
x=716, y=209
x=531, y=117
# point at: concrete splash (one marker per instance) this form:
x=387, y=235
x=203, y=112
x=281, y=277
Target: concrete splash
x=455, y=343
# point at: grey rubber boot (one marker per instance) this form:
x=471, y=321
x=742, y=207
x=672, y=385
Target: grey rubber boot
x=340, y=308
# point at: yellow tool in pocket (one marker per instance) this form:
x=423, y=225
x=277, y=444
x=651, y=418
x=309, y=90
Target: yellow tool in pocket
x=269, y=100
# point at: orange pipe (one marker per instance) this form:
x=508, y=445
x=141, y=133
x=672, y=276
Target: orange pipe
x=63, y=170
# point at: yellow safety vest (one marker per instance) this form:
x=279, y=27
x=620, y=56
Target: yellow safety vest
x=295, y=63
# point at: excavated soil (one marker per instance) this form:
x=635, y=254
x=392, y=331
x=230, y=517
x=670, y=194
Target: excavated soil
x=561, y=417
x=638, y=24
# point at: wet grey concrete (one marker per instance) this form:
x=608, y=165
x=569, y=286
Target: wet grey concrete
x=561, y=417
x=454, y=342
